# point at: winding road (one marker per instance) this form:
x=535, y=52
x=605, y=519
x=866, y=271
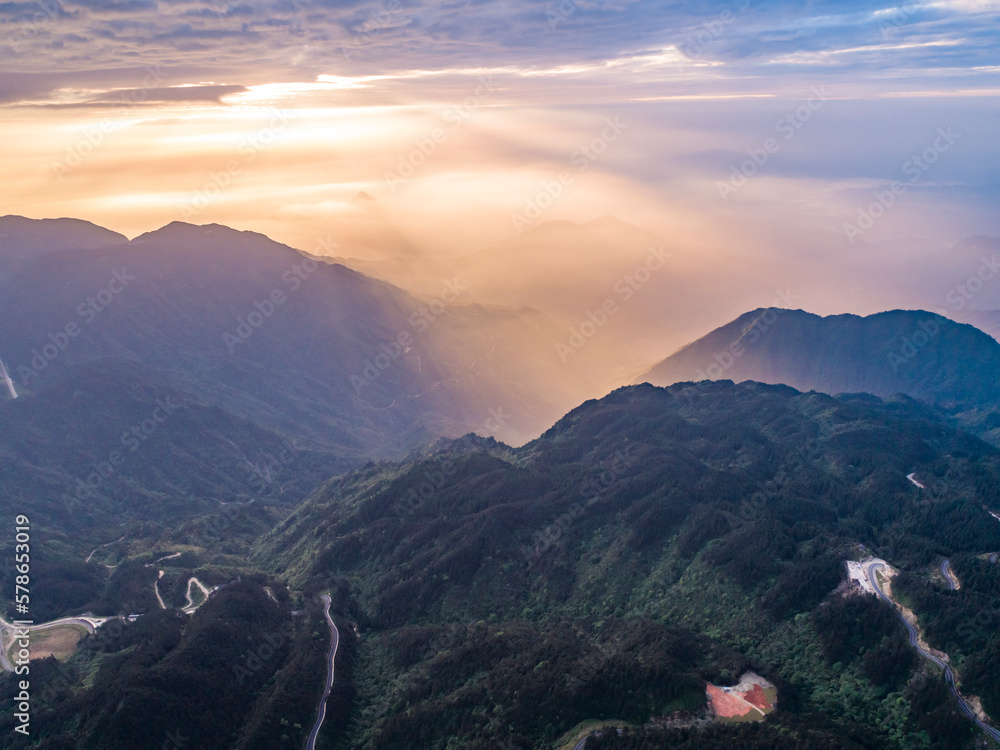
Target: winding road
x=951, y=578
x=334, y=643
x=156, y=589
x=191, y=606
x=103, y=546
x=8, y=630
x=90, y=623
x=949, y=674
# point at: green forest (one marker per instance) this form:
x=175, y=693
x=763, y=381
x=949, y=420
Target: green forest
x=492, y=597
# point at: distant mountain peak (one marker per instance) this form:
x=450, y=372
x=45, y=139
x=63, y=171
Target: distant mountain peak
x=179, y=231
x=15, y=223
x=23, y=239
x=363, y=197
x=913, y=352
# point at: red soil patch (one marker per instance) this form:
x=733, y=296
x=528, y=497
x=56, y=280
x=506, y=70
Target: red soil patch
x=756, y=697
x=726, y=705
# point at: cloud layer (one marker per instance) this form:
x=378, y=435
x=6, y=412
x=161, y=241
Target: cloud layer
x=659, y=48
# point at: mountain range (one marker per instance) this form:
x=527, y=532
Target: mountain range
x=650, y=541
x=266, y=332
x=518, y=552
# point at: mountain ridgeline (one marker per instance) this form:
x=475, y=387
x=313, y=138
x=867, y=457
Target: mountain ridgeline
x=200, y=402
x=308, y=348
x=928, y=357
x=721, y=509
x=194, y=384
x=273, y=355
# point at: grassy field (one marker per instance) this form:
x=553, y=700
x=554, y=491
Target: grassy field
x=59, y=642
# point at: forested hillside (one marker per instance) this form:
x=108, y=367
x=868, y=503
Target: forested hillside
x=506, y=586
x=241, y=673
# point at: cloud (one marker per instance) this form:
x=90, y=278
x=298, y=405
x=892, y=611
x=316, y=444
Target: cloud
x=117, y=6
x=212, y=93
x=300, y=39
x=33, y=11
x=183, y=33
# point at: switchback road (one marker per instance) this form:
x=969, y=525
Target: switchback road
x=949, y=674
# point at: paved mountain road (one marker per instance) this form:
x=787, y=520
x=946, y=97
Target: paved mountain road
x=334, y=643
x=949, y=674
x=950, y=577
x=8, y=630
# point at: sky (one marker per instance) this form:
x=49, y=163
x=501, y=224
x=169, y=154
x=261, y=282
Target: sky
x=772, y=135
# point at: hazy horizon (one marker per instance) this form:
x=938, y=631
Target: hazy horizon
x=523, y=374
x=732, y=129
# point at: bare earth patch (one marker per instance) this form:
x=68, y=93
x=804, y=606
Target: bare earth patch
x=751, y=700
